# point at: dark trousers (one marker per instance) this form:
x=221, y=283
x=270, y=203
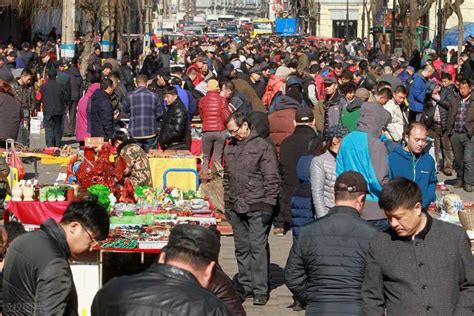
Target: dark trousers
x=414, y=116
x=463, y=149
x=53, y=126
x=251, y=240
x=283, y=217
x=442, y=146
x=24, y=132
x=70, y=112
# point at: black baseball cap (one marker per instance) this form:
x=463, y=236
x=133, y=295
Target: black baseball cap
x=304, y=115
x=330, y=80
x=350, y=181
x=196, y=239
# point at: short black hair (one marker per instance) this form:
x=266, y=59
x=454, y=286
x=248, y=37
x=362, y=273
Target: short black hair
x=386, y=92
x=14, y=229
x=348, y=87
x=106, y=83
x=27, y=72
x=120, y=136
x=401, y=89
x=91, y=215
x=447, y=76
x=186, y=256
x=228, y=85
x=465, y=81
x=238, y=117
x=348, y=75
x=170, y=90
x=399, y=192
x=107, y=65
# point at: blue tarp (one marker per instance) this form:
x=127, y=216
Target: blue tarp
x=451, y=35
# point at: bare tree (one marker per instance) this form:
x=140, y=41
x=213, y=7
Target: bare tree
x=457, y=10
x=411, y=11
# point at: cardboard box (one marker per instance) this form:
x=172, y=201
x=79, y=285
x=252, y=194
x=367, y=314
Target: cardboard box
x=94, y=141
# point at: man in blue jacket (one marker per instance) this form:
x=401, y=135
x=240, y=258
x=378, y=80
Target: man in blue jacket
x=416, y=99
x=413, y=162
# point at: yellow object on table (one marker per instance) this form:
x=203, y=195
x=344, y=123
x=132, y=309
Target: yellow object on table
x=46, y=159
x=184, y=181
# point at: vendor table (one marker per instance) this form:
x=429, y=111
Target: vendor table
x=34, y=212
x=184, y=181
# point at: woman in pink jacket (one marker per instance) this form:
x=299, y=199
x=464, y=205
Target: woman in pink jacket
x=82, y=122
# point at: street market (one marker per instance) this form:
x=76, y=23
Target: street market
x=297, y=158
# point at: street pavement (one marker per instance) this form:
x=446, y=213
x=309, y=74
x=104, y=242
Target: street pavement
x=280, y=297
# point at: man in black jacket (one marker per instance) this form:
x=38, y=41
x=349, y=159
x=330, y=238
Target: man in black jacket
x=101, y=111
x=76, y=84
x=175, y=125
x=326, y=266
x=37, y=278
x=291, y=149
x=53, y=98
x=174, y=286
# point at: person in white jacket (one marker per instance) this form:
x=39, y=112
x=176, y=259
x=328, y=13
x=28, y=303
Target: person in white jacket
x=394, y=129
x=323, y=170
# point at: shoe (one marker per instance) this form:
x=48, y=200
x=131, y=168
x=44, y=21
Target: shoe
x=279, y=231
x=448, y=171
x=458, y=184
x=298, y=307
x=468, y=188
x=260, y=299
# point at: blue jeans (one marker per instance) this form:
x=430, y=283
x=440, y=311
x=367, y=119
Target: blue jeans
x=380, y=224
x=148, y=143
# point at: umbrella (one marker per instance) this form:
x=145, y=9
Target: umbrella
x=451, y=36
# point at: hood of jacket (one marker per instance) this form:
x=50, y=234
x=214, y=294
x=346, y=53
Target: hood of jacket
x=354, y=105
x=373, y=118
x=303, y=168
x=99, y=94
x=286, y=102
x=74, y=71
x=259, y=121
x=275, y=80
x=90, y=91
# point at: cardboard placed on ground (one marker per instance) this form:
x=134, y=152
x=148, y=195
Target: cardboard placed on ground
x=94, y=141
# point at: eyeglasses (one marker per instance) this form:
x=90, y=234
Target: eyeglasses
x=234, y=132
x=93, y=241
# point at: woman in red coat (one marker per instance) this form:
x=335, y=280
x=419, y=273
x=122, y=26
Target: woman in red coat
x=213, y=110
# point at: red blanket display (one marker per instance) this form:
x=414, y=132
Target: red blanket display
x=35, y=212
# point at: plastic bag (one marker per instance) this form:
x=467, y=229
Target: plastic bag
x=15, y=162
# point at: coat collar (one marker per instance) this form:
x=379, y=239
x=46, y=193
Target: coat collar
x=344, y=210
x=174, y=273
x=56, y=233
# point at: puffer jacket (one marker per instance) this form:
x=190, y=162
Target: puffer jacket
x=83, y=110
x=302, y=210
x=37, y=278
x=326, y=266
x=447, y=98
x=101, y=115
x=10, y=116
x=155, y=292
x=274, y=85
x=323, y=178
x=251, y=181
x=281, y=121
x=213, y=110
x=174, y=127
x=333, y=108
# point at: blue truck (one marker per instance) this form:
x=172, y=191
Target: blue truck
x=286, y=26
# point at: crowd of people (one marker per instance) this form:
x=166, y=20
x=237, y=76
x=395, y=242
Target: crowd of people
x=329, y=140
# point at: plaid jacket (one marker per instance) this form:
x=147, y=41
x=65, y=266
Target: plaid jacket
x=145, y=109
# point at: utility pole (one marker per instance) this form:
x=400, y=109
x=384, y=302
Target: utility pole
x=440, y=27
x=347, y=20
x=68, y=23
